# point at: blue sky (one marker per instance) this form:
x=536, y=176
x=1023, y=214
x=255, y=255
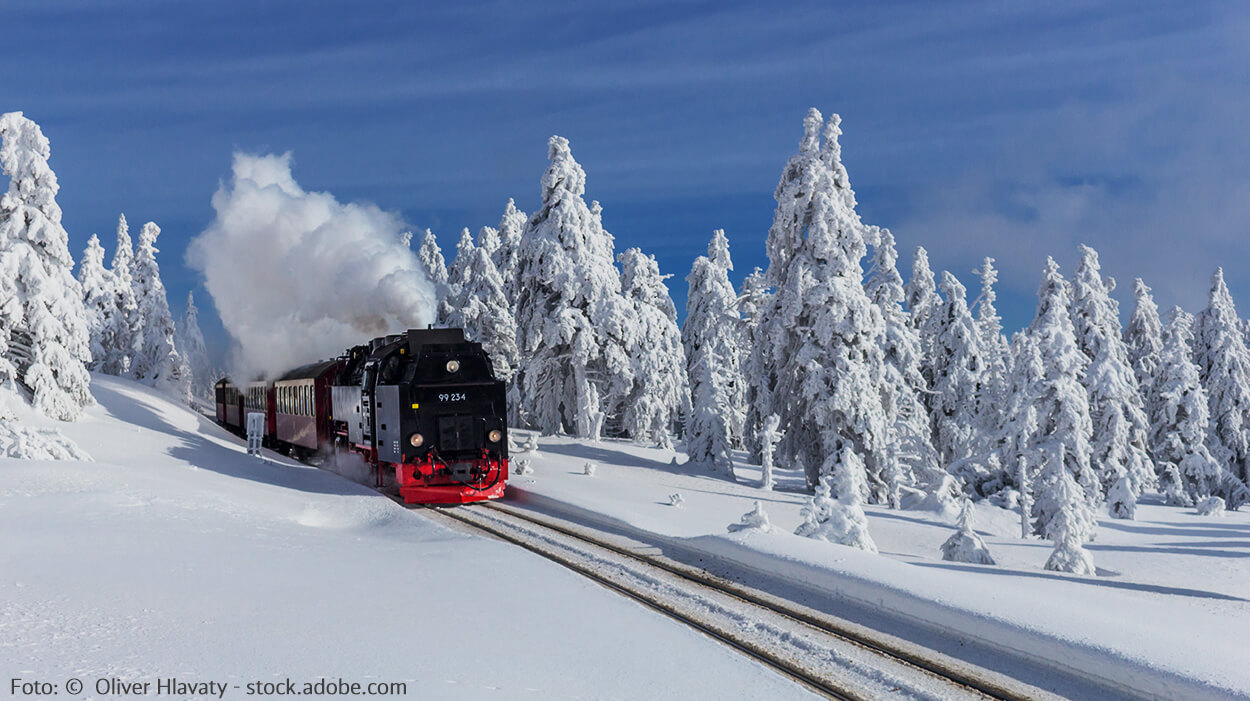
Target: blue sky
x=1016, y=130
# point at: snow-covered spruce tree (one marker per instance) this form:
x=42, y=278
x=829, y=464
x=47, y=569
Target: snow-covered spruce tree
x=1224, y=362
x=922, y=303
x=753, y=299
x=1064, y=427
x=822, y=333
x=659, y=399
x=123, y=338
x=99, y=300
x=44, y=341
x=921, y=290
x=992, y=402
x=958, y=370
x=710, y=337
x=1121, y=428
x=157, y=361
x=459, y=286
x=488, y=238
x=431, y=258
x=1179, y=424
x=910, y=459
x=572, y=322
x=840, y=519
x=511, y=227
x=1072, y=518
x=1019, y=437
x=485, y=311
x=1144, y=340
x=191, y=346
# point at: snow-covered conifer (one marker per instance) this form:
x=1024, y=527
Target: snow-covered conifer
x=995, y=351
x=911, y=458
x=1019, y=436
x=660, y=395
x=459, y=286
x=485, y=312
x=99, y=299
x=1144, y=339
x=922, y=302
x=1072, y=519
x=822, y=333
x=958, y=369
x=44, y=341
x=1224, y=361
x=1115, y=405
x=431, y=258
x=571, y=318
x=753, y=300
x=157, y=360
x=1181, y=418
x=921, y=290
x=124, y=336
x=965, y=545
x=1064, y=428
x=710, y=337
x=191, y=346
x=511, y=227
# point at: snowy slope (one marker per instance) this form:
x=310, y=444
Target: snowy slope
x=1164, y=617
x=175, y=554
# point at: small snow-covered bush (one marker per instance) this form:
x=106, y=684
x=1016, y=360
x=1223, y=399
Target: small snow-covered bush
x=942, y=498
x=531, y=444
x=589, y=469
x=676, y=499
x=965, y=545
x=755, y=519
x=22, y=442
x=523, y=467
x=840, y=521
x=1211, y=506
x=1007, y=498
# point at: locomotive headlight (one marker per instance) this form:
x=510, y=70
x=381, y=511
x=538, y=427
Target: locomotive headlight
x=495, y=436
x=417, y=440
x=453, y=366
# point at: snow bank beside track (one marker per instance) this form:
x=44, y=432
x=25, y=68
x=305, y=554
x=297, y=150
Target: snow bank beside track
x=1115, y=644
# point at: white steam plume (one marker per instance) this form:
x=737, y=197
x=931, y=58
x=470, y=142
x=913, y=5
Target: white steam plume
x=298, y=276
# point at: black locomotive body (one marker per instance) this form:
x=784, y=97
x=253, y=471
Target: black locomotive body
x=423, y=408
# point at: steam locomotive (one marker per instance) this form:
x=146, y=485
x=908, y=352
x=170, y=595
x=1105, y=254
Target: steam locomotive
x=423, y=409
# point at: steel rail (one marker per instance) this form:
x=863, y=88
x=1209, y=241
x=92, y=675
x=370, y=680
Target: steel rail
x=740, y=643
x=946, y=668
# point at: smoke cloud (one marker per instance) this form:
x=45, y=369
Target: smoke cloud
x=298, y=276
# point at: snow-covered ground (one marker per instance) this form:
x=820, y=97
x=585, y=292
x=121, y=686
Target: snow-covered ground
x=1165, y=616
x=173, y=554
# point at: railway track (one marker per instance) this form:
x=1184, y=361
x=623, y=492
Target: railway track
x=834, y=658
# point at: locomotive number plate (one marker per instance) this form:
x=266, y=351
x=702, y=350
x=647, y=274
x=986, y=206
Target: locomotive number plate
x=453, y=397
